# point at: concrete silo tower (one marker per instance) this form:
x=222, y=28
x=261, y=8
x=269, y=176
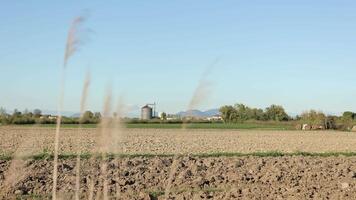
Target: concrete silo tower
x=146, y=113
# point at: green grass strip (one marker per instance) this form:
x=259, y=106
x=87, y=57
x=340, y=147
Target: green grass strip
x=237, y=126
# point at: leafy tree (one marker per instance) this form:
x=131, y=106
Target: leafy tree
x=314, y=117
x=97, y=115
x=163, y=116
x=87, y=117
x=37, y=113
x=242, y=112
x=347, y=120
x=22, y=120
x=2, y=111
x=258, y=114
x=4, y=117
x=226, y=113
x=348, y=115
x=297, y=117
x=16, y=113
x=276, y=113
x=68, y=120
x=330, y=122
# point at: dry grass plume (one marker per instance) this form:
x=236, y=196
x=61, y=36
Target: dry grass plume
x=72, y=44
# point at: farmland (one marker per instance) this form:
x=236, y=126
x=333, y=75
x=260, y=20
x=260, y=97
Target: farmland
x=171, y=141
x=211, y=163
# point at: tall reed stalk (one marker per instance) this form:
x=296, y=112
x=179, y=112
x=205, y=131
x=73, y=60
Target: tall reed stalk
x=72, y=45
x=200, y=94
x=102, y=147
x=82, y=111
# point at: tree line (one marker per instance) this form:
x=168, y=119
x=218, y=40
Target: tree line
x=36, y=117
x=317, y=119
x=240, y=113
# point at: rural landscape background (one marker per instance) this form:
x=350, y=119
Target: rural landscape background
x=178, y=100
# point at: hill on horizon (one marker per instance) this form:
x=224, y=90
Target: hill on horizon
x=199, y=113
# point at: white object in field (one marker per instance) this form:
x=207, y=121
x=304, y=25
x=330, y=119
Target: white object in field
x=353, y=129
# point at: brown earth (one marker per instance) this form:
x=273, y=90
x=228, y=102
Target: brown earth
x=287, y=177
x=196, y=178
x=160, y=141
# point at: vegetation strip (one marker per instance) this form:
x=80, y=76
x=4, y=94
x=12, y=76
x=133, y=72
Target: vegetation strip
x=45, y=155
x=242, y=126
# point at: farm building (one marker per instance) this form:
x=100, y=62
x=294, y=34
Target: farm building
x=215, y=118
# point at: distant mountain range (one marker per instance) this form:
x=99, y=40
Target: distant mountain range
x=64, y=113
x=198, y=113
x=135, y=112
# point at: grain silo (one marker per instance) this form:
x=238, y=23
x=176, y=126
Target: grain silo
x=146, y=112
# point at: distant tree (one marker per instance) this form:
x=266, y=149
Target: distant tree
x=258, y=114
x=163, y=116
x=114, y=114
x=68, y=120
x=347, y=120
x=27, y=114
x=242, y=112
x=2, y=111
x=20, y=118
x=330, y=122
x=276, y=113
x=314, y=117
x=87, y=117
x=3, y=116
x=226, y=113
x=234, y=117
x=97, y=117
x=23, y=120
x=297, y=117
x=348, y=115
x=16, y=113
x=37, y=113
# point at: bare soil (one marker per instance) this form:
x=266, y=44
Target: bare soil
x=286, y=177
x=165, y=141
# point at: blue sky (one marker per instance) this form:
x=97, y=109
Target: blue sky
x=298, y=53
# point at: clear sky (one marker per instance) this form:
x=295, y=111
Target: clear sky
x=297, y=53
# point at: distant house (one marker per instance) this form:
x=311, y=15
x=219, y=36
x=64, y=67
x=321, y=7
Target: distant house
x=171, y=117
x=52, y=117
x=48, y=117
x=215, y=118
